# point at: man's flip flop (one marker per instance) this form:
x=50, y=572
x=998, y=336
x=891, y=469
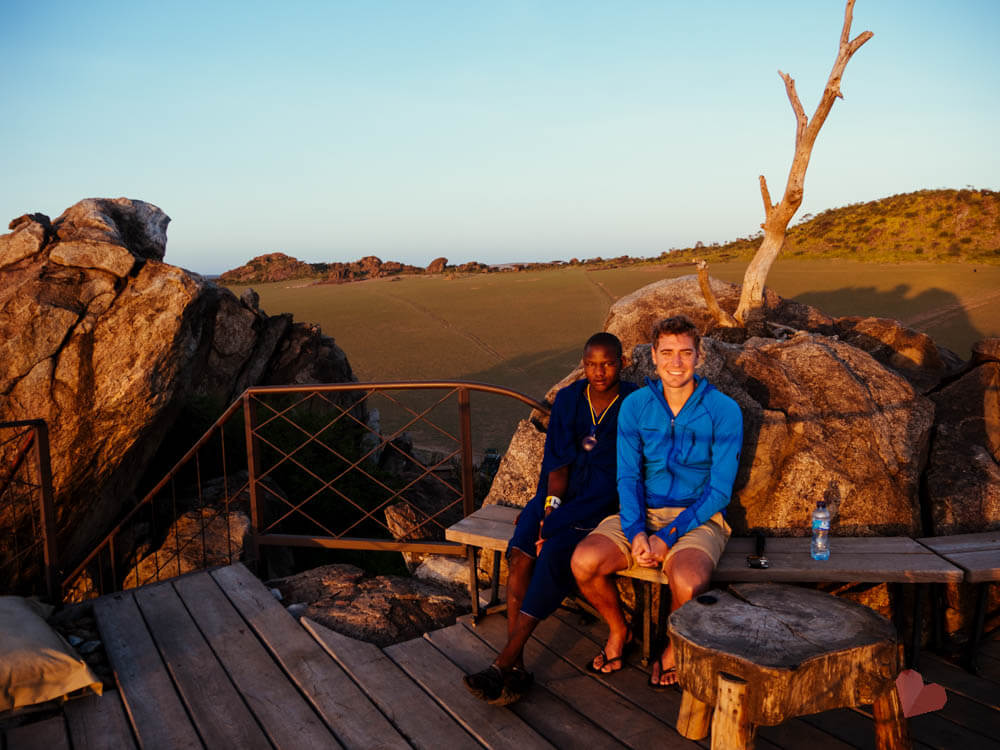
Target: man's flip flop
x=657, y=675
x=605, y=661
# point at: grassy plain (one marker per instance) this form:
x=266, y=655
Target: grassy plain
x=524, y=330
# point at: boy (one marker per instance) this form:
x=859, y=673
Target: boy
x=576, y=489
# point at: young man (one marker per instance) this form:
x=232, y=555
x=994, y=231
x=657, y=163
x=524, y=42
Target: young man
x=576, y=489
x=678, y=451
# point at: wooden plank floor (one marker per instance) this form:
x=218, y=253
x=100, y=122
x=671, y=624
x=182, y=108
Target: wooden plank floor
x=212, y=660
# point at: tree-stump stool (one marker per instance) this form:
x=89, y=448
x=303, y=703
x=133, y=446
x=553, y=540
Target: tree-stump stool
x=761, y=653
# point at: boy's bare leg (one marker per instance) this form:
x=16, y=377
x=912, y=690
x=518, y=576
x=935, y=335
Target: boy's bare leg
x=519, y=569
x=689, y=573
x=595, y=560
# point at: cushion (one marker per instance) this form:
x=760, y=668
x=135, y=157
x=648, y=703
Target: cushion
x=36, y=664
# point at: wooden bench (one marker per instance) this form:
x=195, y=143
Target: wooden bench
x=895, y=560
x=978, y=555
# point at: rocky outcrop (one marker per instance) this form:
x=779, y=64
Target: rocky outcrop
x=267, y=268
x=912, y=354
x=846, y=409
x=963, y=478
x=378, y=609
x=517, y=478
x=821, y=419
x=109, y=344
x=280, y=267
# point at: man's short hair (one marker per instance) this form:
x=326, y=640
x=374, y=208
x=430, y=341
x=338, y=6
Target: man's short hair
x=607, y=340
x=678, y=325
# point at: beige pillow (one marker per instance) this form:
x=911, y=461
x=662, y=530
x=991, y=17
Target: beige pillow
x=36, y=664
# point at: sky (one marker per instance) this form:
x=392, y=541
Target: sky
x=490, y=131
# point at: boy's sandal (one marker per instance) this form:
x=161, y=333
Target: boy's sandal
x=499, y=688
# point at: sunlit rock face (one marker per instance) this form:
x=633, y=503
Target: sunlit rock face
x=108, y=344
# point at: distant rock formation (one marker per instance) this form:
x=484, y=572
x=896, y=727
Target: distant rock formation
x=280, y=267
x=437, y=265
x=108, y=344
x=267, y=268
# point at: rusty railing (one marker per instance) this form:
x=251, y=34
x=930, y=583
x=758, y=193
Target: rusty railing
x=28, y=544
x=380, y=467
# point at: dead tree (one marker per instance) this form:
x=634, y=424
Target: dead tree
x=750, y=311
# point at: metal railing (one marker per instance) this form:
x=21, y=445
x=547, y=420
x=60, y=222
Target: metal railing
x=381, y=466
x=28, y=544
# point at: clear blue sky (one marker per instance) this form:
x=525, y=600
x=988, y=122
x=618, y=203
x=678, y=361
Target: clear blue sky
x=498, y=131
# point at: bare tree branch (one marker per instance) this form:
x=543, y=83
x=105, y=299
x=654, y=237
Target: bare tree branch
x=720, y=315
x=766, y=195
x=801, y=121
x=777, y=216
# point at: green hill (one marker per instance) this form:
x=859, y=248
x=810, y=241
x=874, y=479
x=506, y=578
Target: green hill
x=929, y=225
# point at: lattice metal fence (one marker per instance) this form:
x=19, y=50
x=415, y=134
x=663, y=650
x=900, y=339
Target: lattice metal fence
x=28, y=542
x=347, y=466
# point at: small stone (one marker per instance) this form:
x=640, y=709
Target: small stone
x=88, y=647
x=298, y=609
x=276, y=593
x=74, y=640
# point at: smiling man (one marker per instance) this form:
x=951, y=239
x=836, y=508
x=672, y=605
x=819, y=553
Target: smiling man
x=678, y=452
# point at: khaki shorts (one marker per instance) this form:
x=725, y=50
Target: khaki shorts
x=710, y=537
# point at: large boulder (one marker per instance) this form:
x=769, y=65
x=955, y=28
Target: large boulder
x=903, y=350
x=910, y=353
x=963, y=478
x=109, y=345
x=821, y=420
x=631, y=318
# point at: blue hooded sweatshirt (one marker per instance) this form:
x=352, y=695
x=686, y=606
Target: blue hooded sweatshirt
x=688, y=460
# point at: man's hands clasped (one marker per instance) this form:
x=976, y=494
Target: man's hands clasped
x=648, y=551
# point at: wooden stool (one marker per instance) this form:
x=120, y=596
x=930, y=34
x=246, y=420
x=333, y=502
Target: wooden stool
x=762, y=653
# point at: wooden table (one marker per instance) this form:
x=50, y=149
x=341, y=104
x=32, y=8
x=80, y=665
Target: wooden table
x=764, y=653
x=978, y=555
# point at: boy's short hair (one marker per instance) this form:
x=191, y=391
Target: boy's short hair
x=605, y=339
x=678, y=325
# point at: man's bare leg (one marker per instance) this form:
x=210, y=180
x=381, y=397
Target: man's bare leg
x=594, y=562
x=689, y=573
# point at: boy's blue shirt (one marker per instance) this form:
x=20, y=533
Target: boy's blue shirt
x=592, y=493
x=688, y=460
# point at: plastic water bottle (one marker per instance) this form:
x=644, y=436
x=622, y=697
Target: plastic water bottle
x=820, y=546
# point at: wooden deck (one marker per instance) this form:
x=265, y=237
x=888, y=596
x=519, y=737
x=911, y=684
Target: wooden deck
x=213, y=660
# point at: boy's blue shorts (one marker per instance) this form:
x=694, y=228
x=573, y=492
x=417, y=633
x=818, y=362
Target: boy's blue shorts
x=552, y=578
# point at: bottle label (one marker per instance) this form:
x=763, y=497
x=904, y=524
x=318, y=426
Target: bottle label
x=820, y=525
